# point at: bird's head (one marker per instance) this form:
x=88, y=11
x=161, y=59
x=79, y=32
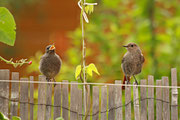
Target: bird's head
x=50, y=49
x=131, y=47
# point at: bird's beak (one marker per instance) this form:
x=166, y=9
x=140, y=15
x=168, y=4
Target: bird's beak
x=52, y=47
x=125, y=46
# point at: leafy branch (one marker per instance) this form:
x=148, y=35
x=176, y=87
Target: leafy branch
x=8, y=35
x=17, y=63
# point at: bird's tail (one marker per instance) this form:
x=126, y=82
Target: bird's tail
x=125, y=79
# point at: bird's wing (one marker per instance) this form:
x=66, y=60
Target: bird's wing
x=142, y=58
x=122, y=61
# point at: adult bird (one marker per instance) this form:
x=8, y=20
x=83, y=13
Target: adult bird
x=50, y=63
x=132, y=62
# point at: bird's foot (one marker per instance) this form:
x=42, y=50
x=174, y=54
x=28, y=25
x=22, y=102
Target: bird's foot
x=128, y=82
x=48, y=79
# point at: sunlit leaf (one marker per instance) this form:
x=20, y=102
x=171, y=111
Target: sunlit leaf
x=16, y=118
x=3, y=117
x=77, y=71
x=89, y=9
x=7, y=27
x=91, y=68
x=59, y=118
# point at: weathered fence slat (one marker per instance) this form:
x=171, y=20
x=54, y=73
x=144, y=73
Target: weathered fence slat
x=48, y=101
x=65, y=100
x=57, y=101
x=88, y=103
x=158, y=102
x=136, y=103
x=143, y=101
x=24, y=99
x=150, y=100
x=41, y=98
x=80, y=117
x=95, y=108
x=166, y=103
x=31, y=98
x=127, y=102
x=4, y=91
x=103, y=103
x=111, y=96
x=74, y=101
x=118, y=101
x=14, y=94
x=174, y=96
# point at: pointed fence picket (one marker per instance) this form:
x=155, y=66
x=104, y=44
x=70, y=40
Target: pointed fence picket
x=106, y=102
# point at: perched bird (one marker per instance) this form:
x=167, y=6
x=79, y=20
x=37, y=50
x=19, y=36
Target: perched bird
x=50, y=63
x=132, y=62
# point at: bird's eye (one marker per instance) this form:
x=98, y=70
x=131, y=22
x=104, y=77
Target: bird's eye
x=47, y=48
x=132, y=45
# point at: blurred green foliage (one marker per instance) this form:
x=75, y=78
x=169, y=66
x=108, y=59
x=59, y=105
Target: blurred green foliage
x=153, y=25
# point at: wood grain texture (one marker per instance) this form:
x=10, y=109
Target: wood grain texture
x=118, y=101
x=103, y=103
x=150, y=101
x=31, y=98
x=65, y=102
x=95, y=109
x=143, y=101
x=57, y=101
x=158, y=102
x=14, y=94
x=48, y=101
x=4, y=91
x=24, y=99
x=136, y=103
x=41, y=98
x=127, y=102
x=166, y=106
x=111, y=96
x=174, y=96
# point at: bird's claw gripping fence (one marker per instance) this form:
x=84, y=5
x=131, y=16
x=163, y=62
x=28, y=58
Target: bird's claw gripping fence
x=149, y=101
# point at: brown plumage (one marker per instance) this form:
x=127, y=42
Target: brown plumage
x=50, y=63
x=132, y=62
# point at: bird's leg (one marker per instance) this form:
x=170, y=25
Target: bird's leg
x=135, y=80
x=54, y=83
x=128, y=81
x=48, y=79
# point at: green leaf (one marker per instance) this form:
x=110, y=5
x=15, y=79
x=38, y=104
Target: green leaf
x=59, y=118
x=77, y=71
x=7, y=27
x=3, y=117
x=91, y=68
x=89, y=9
x=16, y=118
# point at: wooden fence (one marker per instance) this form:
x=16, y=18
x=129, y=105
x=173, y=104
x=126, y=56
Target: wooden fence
x=17, y=99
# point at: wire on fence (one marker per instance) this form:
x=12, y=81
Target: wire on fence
x=108, y=110
x=106, y=84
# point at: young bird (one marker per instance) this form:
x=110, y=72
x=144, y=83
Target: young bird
x=132, y=62
x=50, y=63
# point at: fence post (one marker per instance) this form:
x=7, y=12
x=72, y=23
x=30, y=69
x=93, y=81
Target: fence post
x=158, y=102
x=57, y=101
x=14, y=94
x=166, y=103
x=31, y=98
x=174, y=97
x=111, y=94
x=143, y=101
x=4, y=91
x=118, y=100
x=151, y=98
x=127, y=102
x=103, y=103
x=74, y=101
x=65, y=100
x=24, y=99
x=95, y=103
x=136, y=103
x=48, y=101
x=41, y=98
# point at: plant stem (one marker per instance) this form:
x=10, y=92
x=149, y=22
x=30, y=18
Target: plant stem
x=83, y=53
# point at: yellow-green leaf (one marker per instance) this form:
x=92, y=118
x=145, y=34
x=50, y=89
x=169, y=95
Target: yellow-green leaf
x=77, y=71
x=91, y=68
